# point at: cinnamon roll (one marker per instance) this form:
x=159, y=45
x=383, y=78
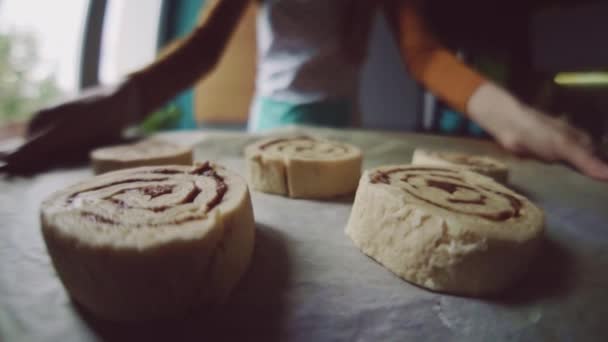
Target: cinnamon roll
x=150, y=242
x=303, y=167
x=481, y=164
x=149, y=152
x=444, y=228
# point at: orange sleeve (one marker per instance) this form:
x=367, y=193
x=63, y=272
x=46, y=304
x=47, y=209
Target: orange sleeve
x=428, y=61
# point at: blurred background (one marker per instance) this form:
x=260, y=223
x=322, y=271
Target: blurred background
x=553, y=54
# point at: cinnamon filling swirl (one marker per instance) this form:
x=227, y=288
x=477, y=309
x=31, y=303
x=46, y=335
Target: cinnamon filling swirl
x=198, y=191
x=445, y=189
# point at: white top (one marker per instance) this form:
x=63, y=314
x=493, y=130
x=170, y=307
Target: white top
x=311, y=50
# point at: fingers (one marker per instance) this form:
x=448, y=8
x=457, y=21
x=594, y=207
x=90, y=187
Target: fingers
x=55, y=145
x=579, y=136
x=515, y=145
x=557, y=141
x=576, y=147
x=39, y=151
x=29, y=156
x=583, y=159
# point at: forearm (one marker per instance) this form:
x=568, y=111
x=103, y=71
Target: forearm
x=498, y=112
x=446, y=77
x=490, y=100
x=427, y=60
x=195, y=57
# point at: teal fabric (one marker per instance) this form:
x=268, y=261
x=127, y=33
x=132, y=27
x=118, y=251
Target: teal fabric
x=271, y=113
x=451, y=121
x=475, y=130
x=186, y=16
x=184, y=101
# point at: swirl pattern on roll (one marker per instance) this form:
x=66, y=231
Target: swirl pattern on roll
x=445, y=228
x=151, y=242
x=447, y=189
x=303, y=166
x=305, y=147
x=466, y=160
x=164, y=196
x=481, y=164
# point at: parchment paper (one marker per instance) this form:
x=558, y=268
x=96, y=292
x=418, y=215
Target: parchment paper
x=308, y=282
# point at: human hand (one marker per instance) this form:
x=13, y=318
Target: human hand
x=526, y=131
x=553, y=140
x=70, y=130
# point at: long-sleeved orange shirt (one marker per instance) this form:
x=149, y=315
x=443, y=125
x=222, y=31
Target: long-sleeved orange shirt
x=430, y=63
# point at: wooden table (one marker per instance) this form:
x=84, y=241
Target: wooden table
x=307, y=281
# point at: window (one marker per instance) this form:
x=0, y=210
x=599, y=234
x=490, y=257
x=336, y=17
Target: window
x=40, y=47
x=129, y=42
x=130, y=37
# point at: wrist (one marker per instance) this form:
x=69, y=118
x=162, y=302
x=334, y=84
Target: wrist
x=497, y=111
x=134, y=106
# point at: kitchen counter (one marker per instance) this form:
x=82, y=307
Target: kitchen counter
x=308, y=282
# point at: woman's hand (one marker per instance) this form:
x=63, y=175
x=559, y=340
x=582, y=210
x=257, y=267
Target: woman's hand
x=70, y=130
x=526, y=131
x=98, y=117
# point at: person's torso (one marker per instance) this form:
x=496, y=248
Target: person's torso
x=311, y=50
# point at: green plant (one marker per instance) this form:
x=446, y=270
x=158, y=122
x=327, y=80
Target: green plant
x=164, y=118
